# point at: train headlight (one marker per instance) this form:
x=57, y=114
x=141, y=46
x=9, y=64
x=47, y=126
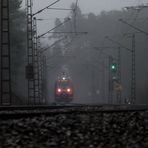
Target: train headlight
x=59, y=90
x=68, y=90
x=64, y=78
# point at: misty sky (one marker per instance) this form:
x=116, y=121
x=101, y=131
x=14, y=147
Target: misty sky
x=94, y=6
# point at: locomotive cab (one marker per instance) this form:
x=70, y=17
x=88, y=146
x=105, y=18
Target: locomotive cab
x=64, y=90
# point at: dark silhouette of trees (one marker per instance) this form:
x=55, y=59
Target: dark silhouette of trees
x=18, y=47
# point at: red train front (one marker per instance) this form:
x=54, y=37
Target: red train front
x=64, y=90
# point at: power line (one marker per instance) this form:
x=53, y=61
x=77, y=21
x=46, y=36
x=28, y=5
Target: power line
x=101, y=49
x=71, y=32
x=45, y=8
x=139, y=19
x=47, y=19
x=60, y=9
x=56, y=42
x=118, y=43
x=68, y=19
x=138, y=8
x=45, y=49
x=136, y=28
x=58, y=53
x=134, y=16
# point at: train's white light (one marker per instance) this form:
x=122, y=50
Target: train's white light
x=64, y=78
x=68, y=90
x=59, y=90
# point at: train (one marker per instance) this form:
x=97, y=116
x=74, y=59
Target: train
x=64, y=90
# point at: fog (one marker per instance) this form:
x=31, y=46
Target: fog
x=87, y=6
x=88, y=67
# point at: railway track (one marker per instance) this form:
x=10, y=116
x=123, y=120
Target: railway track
x=63, y=106
x=7, y=112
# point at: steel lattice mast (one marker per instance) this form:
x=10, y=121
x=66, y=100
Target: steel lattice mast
x=32, y=68
x=40, y=70
x=5, y=55
x=44, y=83
x=110, y=85
x=36, y=62
x=30, y=53
x=133, y=81
x=119, y=95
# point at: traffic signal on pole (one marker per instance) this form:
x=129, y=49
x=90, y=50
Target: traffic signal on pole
x=113, y=67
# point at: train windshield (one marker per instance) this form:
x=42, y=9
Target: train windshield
x=64, y=84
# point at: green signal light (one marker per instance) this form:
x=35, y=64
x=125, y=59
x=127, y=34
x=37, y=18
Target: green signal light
x=114, y=67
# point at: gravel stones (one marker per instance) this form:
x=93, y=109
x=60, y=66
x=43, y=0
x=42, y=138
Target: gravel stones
x=98, y=130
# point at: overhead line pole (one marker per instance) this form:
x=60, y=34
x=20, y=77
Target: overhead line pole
x=36, y=63
x=30, y=53
x=30, y=69
x=5, y=65
x=119, y=95
x=133, y=87
x=133, y=80
x=110, y=74
x=75, y=14
x=110, y=93
x=40, y=57
x=133, y=83
x=118, y=59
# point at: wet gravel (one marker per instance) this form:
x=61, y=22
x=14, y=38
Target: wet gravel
x=98, y=130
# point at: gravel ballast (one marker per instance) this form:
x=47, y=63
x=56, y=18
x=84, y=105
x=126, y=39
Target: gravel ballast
x=98, y=130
